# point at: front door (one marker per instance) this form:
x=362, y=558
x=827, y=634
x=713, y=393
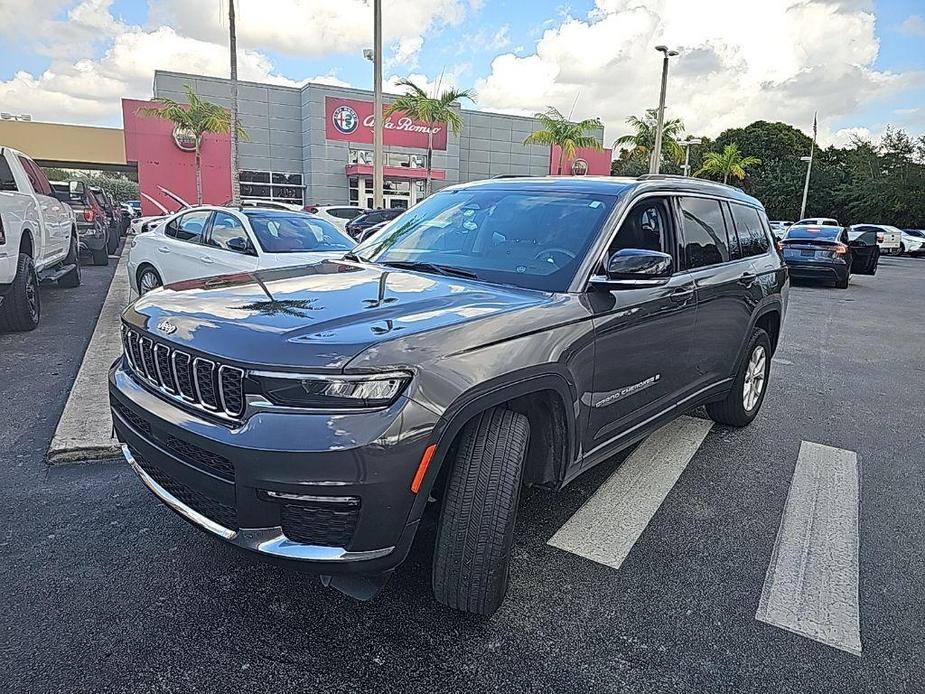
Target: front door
x=864, y=252
x=179, y=253
x=642, y=337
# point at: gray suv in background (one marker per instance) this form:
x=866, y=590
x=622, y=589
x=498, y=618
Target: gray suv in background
x=500, y=333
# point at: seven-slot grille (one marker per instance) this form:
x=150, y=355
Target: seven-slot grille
x=204, y=383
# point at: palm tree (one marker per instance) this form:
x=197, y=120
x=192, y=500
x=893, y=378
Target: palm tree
x=197, y=117
x=729, y=162
x=421, y=106
x=569, y=136
x=642, y=141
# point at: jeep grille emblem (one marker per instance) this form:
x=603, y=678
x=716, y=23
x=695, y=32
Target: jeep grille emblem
x=166, y=327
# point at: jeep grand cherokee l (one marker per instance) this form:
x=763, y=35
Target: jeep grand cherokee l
x=500, y=333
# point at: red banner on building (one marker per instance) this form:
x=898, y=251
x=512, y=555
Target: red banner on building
x=352, y=121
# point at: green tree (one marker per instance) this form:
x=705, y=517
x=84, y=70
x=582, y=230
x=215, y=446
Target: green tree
x=431, y=110
x=568, y=135
x=198, y=117
x=729, y=162
x=641, y=142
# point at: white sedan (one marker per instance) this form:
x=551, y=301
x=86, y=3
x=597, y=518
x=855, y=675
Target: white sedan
x=913, y=242
x=208, y=240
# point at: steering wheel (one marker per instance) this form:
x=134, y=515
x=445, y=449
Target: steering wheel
x=547, y=254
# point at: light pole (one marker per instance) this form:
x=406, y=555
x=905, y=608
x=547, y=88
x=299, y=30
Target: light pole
x=377, y=104
x=687, y=153
x=657, y=151
x=809, y=169
x=233, y=49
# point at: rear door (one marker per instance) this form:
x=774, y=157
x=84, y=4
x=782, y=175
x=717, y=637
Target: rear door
x=180, y=249
x=864, y=251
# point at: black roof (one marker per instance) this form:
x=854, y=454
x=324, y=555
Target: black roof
x=615, y=185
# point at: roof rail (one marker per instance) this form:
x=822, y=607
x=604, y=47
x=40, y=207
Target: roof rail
x=678, y=177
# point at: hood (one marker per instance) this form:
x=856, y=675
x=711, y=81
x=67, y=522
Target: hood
x=317, y=316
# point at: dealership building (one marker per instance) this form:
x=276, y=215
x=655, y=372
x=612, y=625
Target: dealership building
x=313, y=144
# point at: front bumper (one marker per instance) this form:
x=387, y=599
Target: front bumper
x=286, y=486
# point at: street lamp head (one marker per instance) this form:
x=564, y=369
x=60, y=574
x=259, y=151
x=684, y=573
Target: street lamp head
x=368, y=54
x=672, y=54
x=805, y=158
x=692, y=141
x=663, y=49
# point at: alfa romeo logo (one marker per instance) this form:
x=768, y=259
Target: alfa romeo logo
x=345, y=119
x=166, y=327
x=184, y=138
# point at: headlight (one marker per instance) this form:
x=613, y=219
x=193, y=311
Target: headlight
x=331, y=392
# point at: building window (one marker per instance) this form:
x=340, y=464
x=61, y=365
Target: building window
x=273, y=185
x=364, y=157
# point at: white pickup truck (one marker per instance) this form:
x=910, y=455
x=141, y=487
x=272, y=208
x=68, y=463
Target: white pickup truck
x=38, y=240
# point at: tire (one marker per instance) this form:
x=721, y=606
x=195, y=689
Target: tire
x=146, y=272
x=733, y=410
x=902, y=249
x=112, y=241
x=21, y=309
x=473, y=554
x=72, y=279
x=100, y=257
x=843, y=283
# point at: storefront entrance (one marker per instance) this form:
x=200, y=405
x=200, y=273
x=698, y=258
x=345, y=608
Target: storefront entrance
x=397, y=192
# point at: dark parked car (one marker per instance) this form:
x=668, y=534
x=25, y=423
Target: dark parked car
x=357, y=225
x=827, y=253
x=113, y=217
x=513, y=331
x=93, y=228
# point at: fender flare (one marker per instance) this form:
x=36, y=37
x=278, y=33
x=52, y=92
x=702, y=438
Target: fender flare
x=495, y=392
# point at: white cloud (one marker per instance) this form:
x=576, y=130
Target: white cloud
x=405, y=51
x=914, y=26
x=740, y=61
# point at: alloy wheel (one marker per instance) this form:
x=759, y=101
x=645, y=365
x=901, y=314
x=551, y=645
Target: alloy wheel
x=754, y=378
x=149, y=280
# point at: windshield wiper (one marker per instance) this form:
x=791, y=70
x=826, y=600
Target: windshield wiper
x=447, y=270
x=350, y=255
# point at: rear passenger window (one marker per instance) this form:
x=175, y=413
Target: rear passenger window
x=7, y=182
x=189, y=227
x=752, y=237
x=704, y=232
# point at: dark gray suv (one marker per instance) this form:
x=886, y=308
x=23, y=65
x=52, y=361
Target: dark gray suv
x=501, y=333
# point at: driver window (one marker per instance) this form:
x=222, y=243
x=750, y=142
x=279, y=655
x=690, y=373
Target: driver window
x=646, y=227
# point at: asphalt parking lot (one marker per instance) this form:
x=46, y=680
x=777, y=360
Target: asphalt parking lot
x=105, y=590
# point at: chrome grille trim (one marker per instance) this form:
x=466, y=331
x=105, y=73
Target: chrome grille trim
x=164, y=368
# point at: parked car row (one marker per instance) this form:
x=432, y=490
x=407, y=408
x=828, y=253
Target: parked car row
x=890, y=239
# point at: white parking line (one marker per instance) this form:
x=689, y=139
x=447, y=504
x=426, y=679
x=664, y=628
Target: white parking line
x=811, y=587
x=607, y=526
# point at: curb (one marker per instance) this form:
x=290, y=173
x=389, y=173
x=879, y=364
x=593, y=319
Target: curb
x=84, y=431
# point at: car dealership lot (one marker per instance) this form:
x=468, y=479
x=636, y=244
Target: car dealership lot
x=106, y=590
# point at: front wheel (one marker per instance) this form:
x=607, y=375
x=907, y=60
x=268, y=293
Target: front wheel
x=741, y=405
x=473, y=554
x=148, y=280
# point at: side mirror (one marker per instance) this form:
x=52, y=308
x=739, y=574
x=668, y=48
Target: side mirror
x=241, y=245
x=636, y=267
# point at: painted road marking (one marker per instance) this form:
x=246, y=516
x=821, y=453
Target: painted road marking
x=607, y=526
x=811, y=587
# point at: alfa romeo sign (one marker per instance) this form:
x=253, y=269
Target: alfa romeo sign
x=352, y=120
x=345, y=119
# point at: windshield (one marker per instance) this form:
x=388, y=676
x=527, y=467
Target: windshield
x=812, y=233
x=294, y=232
x=534, y=239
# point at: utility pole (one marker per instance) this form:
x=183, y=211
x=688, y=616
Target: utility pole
x=233, y=45
x=809, y=169
x=378, y=183
x=655, y=161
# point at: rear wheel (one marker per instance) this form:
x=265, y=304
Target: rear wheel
x=148, y=279
x=473, y=554
x=22, y=306
x=72, y=279
x=744, y=400
x=112, y=241
x=842, y=282
x=100, y=256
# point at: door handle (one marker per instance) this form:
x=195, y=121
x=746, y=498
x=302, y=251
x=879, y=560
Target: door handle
x=163, y=249
x=208, y=260
x=748, y=279
x=681, y=294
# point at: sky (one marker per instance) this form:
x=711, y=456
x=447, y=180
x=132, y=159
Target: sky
x=859, y=63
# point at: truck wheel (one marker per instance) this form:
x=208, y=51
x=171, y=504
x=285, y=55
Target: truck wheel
x=72, y=279
x=101, y=256
x=742, y=403
x=112, y=241
x=22, y=306
x=473, y=554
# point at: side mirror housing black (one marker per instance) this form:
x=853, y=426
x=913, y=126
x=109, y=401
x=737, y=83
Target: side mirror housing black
x=635, y=267
x=241, y=245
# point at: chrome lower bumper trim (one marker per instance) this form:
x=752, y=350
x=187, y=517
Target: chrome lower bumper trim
x=268, y=541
